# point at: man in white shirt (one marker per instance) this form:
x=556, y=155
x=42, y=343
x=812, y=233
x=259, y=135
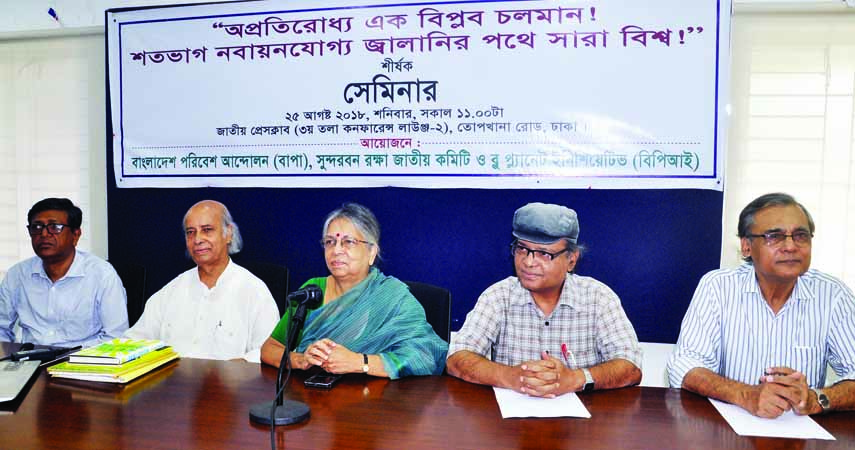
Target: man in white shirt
x=217, y=310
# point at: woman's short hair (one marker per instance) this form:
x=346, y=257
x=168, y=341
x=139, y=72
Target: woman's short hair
x=361, y=217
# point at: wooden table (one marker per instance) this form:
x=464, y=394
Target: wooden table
x=204, y=404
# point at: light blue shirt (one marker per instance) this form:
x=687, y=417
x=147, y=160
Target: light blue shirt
x=84, y=307
x=731, y=330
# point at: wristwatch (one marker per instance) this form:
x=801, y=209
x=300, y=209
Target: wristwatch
x=822, y=399
x=589, y=381
x=364, y=363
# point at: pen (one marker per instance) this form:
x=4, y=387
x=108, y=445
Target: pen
x=568, y=355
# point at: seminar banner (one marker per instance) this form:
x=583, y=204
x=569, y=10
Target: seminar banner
x=484, y=94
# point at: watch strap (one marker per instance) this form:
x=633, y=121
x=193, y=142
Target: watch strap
x=822, y=399
x=365, y=363
x=589, y=380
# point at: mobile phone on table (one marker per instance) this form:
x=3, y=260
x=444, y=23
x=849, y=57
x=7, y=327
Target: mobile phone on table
x=322, y=380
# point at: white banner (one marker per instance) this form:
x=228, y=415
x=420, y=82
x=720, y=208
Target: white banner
x=531, y=94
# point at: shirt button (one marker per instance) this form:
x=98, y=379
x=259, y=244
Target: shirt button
x=547, y=323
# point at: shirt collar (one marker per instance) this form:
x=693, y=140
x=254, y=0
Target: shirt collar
x=802, y=290
x=568, y=292
x=521, y=295
x=77, y=269
x=226, y=273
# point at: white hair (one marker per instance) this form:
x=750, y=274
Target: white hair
x=236, y=243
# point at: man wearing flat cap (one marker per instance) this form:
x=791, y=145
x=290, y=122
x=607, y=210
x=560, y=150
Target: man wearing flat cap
x=546, y=331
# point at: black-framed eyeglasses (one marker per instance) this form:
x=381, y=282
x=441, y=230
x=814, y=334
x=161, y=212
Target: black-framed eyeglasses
x=776, y=238
x=521, y=251
x=35, y=229
x=347, y=242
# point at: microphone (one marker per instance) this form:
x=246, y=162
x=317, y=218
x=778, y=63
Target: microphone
x=26, y=346
x=280, y=411
x=39, y=354
x=310, y=295
x=28, y=352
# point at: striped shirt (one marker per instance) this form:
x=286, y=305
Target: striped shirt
x=731, y=330
x=507, y=324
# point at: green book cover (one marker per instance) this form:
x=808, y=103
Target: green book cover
x=116, y=351
x=142, y=361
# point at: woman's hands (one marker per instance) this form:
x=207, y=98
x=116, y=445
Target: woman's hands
x=333, y=357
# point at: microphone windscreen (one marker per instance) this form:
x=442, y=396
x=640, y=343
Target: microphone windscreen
x=314, y=296
x=311, y=296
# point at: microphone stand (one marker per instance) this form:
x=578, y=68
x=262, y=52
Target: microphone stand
x=280, y=411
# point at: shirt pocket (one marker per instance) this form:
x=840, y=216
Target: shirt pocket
x=586, y=357
x=76, y=316
x=229, y=338
x=809, y=361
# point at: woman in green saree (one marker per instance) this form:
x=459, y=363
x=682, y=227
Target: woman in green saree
x=368, y=322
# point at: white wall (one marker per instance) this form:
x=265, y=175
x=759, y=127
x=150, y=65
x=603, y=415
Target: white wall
x=29, y=17
x=40, y=56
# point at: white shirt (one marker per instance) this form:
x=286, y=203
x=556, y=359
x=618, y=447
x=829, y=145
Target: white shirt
x=230, y=320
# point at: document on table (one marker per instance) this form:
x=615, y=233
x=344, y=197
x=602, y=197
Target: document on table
x=515, y=404
x=788, y=425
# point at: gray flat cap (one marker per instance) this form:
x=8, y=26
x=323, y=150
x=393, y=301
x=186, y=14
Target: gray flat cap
x=543, y=223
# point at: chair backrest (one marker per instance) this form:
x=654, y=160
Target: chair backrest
x=275, y=276
x=654, y=372
x=133, y=278
x=437, y=304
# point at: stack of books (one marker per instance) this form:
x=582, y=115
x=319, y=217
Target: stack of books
x=116, y=361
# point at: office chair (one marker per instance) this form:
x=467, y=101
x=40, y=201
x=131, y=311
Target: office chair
x=133, y=279
x=437, y=304
x=275, y=276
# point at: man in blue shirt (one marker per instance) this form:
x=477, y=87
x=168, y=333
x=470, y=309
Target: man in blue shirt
x=62, y=296
x=760, y=336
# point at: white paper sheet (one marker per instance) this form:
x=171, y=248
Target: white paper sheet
x=515, y=404
x=788, y=425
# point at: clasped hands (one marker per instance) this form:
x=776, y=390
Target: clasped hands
x=780, y=390
x=332, y=357
x=548, y=377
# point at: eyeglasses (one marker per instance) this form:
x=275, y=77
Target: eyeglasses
x=35, y=229
x=519, y=251
x=776, y=238
x=347, y=242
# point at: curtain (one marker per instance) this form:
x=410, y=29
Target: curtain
x=792, y=127
x=51, y=136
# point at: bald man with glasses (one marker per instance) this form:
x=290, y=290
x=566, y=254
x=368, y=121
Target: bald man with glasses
x=546, y=331
x=62, y=296
x=761, y=336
